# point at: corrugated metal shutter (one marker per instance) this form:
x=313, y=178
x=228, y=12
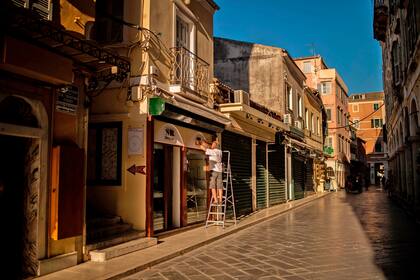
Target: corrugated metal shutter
x=261, y=166
x=276, y=174
x=240, y=150
x=298, y=172
x=309, y=176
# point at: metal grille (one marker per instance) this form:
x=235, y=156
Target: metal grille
x=276, y=174
x=261, y=167
x=240, y=150
x=189, y=71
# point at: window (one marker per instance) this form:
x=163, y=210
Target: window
x=109, y=14
x=41, y=7
x=356, y=122
x=375, y=106
x=376, y=123
x=312, y=123
x=307, y=119
x=338, y=116
x=104, y=154
x=328, y=111
x=324, y=87
x=396, y=63
x=289, y=97
x=182, y=38
x=300, y=107
x=329, y=142
x=318, y=126
x=307, y=67
x=378, y=148
x=355, y=107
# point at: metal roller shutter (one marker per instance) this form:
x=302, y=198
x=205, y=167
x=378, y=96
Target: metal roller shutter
x=309, y=176
x=298, y=173
x=276, y=174
x=261, y=166
x=240, y=151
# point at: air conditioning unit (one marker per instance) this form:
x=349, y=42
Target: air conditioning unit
x=298, y=124
x=241, y=97
x=287, y=119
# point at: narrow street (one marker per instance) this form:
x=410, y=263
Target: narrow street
x=342, y=236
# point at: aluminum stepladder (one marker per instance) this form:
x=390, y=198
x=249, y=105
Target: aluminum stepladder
x=217, y=213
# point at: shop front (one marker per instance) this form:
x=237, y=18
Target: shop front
x=180, y=180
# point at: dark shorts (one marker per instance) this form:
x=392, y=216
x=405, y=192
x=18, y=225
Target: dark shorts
x=216, y=181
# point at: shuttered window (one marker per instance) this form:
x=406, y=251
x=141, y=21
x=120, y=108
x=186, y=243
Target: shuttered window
x=42, y=7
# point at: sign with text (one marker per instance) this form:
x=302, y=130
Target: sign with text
x=68, y=99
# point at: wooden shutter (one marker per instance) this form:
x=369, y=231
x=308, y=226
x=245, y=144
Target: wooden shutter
x=67, y=193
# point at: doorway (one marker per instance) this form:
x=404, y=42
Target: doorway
x=19, y=179
x=166, y=187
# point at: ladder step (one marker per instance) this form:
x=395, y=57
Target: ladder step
x=217, y=213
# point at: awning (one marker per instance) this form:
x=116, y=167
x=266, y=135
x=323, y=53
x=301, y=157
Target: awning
x=23, y=24
x=195, y=116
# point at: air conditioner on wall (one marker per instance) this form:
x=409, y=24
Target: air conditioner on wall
x=287, y=119
x=241, y=96
x=298, y=124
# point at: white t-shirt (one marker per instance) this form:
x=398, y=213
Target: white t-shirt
x=215, y=157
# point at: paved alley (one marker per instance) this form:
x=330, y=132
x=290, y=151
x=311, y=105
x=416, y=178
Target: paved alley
x=342, y=236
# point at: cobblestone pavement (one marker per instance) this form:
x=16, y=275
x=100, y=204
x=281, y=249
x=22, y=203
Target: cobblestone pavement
x=342, y=236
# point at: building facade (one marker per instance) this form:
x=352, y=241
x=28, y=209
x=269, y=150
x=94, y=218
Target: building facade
x=157, y=180
x=396, y=26
x=367, y=114
x=48, y=73
x=274, y=81
x=334, y=95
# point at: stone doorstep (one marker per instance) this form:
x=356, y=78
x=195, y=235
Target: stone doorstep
x=122, y=249
x=57, y=263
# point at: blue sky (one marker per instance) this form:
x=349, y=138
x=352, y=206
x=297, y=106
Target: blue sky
x=341, y=31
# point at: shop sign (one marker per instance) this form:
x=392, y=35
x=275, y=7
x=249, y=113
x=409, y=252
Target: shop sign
x=156, y=106
x=328, y=150
x=68, y=99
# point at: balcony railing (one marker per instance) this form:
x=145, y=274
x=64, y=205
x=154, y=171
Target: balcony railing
x=190, y=72
x=380, y=20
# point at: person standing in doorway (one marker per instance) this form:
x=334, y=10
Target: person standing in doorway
x=216, y=169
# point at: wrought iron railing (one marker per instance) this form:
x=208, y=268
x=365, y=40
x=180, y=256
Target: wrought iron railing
x=189, y=71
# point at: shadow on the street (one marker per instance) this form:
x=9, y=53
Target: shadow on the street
x=394, y=235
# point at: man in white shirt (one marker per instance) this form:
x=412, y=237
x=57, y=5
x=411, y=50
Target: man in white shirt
x=216, y=168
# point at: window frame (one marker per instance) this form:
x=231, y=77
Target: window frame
x=99, y=127
x=353, y=106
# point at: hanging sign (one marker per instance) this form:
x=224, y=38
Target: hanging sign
x=67, y=99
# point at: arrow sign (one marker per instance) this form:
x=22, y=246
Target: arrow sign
x=137, y=169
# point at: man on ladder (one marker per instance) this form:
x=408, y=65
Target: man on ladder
x=216, y=168
x=220, y=185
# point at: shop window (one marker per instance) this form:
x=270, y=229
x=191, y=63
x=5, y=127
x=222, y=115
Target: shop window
x=104, y=154
x=196, y=186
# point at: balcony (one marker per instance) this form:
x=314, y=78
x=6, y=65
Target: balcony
x=189, y=75
x=380, y=20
